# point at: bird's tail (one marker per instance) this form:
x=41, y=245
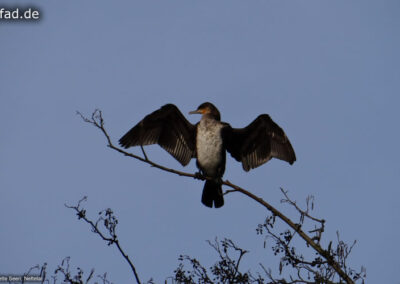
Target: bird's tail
x=212, y=193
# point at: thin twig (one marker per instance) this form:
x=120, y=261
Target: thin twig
x=144, y=153
x=82, y=215
x=302, y=212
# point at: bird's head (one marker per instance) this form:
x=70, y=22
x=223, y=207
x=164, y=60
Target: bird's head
x=207, y=109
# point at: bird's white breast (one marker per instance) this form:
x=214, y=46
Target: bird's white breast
x=209, y=145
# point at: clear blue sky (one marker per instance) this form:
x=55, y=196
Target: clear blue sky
x=327, y=71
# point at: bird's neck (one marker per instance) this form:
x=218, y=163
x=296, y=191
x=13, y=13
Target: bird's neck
x=209, y=116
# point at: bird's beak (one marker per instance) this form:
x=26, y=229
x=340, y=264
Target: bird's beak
x=195, y=112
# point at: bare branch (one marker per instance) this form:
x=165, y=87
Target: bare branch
x=110, y=223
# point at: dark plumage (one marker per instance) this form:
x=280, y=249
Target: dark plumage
x=257, y=143
x=168, y=128
x=207, y=141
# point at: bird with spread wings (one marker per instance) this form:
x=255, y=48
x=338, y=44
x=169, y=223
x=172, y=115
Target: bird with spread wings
x=208, y=141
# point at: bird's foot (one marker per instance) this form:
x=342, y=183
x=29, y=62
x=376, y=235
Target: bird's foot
x=199, y=175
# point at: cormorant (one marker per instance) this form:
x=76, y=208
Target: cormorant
x=207, y=141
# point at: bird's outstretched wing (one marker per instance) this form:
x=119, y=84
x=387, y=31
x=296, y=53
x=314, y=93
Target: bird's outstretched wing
x=257, y=143
x=168, y=128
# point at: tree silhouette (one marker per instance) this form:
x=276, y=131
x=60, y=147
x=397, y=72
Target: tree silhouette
x=328, y=265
